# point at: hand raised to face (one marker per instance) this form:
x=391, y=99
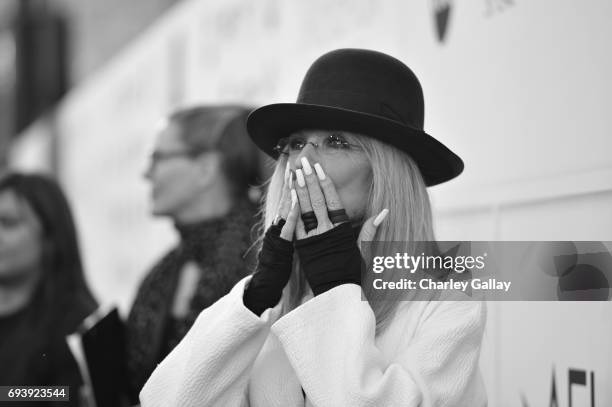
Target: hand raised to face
x=311, y=205
x=320, y=205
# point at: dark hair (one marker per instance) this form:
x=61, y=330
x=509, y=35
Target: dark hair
x=222, y=129
x=62, y=299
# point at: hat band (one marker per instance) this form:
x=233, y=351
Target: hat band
x=354, y=101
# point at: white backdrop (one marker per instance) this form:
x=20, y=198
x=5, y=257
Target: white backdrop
x=518, y=89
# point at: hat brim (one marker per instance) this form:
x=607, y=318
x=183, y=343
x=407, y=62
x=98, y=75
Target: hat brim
x=270, y=123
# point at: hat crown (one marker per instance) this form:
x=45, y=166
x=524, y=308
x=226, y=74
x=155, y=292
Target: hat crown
x=364, y=92
x=366, y=81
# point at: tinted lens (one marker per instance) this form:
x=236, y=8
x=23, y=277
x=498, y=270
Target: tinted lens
x=296, y=144
x=335, y=141
x=281, y=146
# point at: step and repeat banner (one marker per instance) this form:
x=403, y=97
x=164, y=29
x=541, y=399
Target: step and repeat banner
x=519, y=89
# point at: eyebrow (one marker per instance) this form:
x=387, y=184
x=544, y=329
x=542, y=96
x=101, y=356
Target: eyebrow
x=298, y=133
x=316, y=132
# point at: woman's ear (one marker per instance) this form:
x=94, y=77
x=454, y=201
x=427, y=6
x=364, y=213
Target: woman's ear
x=209, y=168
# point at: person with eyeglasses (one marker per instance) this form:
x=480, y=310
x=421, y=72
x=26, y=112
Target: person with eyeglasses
x=202, y=172
x=352, y=165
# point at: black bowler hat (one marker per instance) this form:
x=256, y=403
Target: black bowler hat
x=365, y=92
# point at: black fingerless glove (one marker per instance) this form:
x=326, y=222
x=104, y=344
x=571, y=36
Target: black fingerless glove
x=272, y=273
x=330, y=259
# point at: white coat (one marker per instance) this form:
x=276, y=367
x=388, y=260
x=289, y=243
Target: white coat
x=428, y=356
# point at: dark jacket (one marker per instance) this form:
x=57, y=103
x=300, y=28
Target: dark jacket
x=34, y=352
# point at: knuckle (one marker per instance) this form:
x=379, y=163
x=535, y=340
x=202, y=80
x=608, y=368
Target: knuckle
x=318, y=202
x=315, y=192
x=334, y=204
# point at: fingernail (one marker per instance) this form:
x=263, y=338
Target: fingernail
x=290, y=179
x=381, y=216
x=287, y=169
x=306, y=166
x=300, y=177
x=294, y=198
x=319, y=171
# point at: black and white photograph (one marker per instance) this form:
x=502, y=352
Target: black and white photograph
x=324, y=203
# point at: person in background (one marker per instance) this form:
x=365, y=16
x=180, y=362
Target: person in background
x=201, y=172
x=43, y=292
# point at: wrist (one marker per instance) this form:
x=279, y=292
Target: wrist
x=330, y=259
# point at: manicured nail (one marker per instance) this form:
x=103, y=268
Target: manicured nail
x=319, y=171
x=294, y=198
x=287, y=169
x=381, y=216
x=300, y=177
x=290, y=179
x=306, y=166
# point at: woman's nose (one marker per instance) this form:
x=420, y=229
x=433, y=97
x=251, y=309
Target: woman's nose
x=309, y=152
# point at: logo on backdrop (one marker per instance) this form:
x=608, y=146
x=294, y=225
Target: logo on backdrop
x=575, y=378
x=442, y=10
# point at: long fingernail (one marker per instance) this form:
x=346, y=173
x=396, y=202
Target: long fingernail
x=294, y=198
x=306, y=166
x=381, y=216
x=287, y=169
x=290, y=179
x=319, y=171
x=300, y=177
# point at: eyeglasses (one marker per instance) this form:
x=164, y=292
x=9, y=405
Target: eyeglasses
x=331, y=144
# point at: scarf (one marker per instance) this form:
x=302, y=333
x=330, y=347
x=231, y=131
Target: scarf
x=217, y=247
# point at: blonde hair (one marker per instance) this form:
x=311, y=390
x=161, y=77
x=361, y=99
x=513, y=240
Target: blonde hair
x=396, y=184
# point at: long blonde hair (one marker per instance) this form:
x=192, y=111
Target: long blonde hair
x=396, y=184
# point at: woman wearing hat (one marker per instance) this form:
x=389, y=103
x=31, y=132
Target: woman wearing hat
x=353, y=164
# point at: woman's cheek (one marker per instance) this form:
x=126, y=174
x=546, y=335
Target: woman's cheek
x=352, y=181
x=353, y=200
x=23, y=253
